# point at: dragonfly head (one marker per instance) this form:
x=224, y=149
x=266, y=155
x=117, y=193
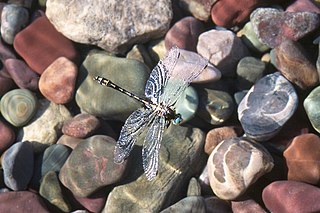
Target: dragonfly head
x=177, y=119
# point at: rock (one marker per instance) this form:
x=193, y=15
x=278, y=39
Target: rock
x=81, y=126
x=17, y=164
x=292, y=61
x=69, y=141
x=35, y=37
x=13, y=19
x=200, y=9
x=140, y=53
x=45, y=127
x=180, y=157
x=302, y=159
x=6, y=51
x=6, y=83
x=128, y=74
x=204, y=182
x=157, y=50
x=274, y=26
x=223, y=49
x=7, y=136
x=188, y=204
x=215, y=204
x=238, y=96
x=249, y=70
x=268, y=105
x=90, y=166
x=18, y=106
x=51, y=190
x=209, y=74
x=292, y=196
x=57, y=82
x=23, y=201
x=215, y=106
x=23, y=76
x=303, y=6
x=112, y=25
x=235, y=164
x=184, y=34
x=95, y=202
x=23, y=3
x=194, y=188
x=311, y=105
x=54, y=158
x=217, y=135
x=248, y=205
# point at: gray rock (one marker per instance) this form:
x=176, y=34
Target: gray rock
x=194, y=188
x=112, y=25
x=186, y=205
x=312, y=106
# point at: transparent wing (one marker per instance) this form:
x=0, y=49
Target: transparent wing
x=133, y=126
x=151, y=146
x=159, y=75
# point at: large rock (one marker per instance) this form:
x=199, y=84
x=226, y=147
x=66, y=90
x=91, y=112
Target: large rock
x=111, y=25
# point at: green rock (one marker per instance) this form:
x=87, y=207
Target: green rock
x=188, y=204
x=187, y=104
x=312, y=106
x=250, y=38
x=194, y=188
x=107, y=102
x=51, y=190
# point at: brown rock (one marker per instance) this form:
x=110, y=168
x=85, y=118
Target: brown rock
x=303, y=159
x=40, y=44
x=57, y=82
x=246, y=206
x=69, y=141
x=7, y=136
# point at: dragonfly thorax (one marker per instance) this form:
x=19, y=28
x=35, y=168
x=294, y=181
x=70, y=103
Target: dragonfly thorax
x=167, y=112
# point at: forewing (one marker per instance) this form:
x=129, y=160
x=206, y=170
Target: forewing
x=133, y=126
x=159, y=75
x=151, y=146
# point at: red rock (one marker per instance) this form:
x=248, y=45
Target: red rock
x=7, y=136
x=184, y=34
x=303, y=6
x=22, y=75
x=246, y=206
x=6, y=83
x=57, y=82
x=40, y=44
x=95, y=202
x=69, y=141
x=291, y=197
x=5, y=52
x=303, y=159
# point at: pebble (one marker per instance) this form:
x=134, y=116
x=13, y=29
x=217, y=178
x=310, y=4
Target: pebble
x=140, y=53
x=231, y=169
x=35, y=37
x=13, y=19
x=69, y=141
x=292, y=61
x=188, y=204
x=23, y=76
x=303, y=6
x=18, y=106
x=274, y=26
x=6, y=51
x=215, y=204
x=157, y=50
x=194, y=188
x=267, y=106
x=23, y=3
x=57, y=82
x=17, y=164
x=184, y=34
x=95, y=202
x=311, y=105
x=223, y=49
x=215, y=107
x=292, y=196
x=142, y=22
x=302, y=158
x=248, y=205
x=23, y=201
x=200, y=9
x=52, y=191
x=208, y=75
x=7, y=136
x=45, y=127
x=6, y=82
x=91, y=157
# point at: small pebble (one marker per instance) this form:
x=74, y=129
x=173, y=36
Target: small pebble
x=188, y=204
x=311, y=105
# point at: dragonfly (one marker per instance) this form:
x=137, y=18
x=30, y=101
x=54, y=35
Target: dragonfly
x=167, y=81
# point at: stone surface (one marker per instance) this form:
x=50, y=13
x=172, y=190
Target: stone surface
x=235, y=164
x=267, y=106
x=23, y=201
x=17, y=164
x=23, y=76
x=6, y=83
x=303, y=6
x=291, y=196
x=128, y=74
x=18, y=106
x=180, y=158
x=215, y=204
x=248, y=205
x=95, y=202
x=13, y=19
x=223, y=49
x=112, y=25
x=33, y=46
x=273, y=26
x=90, y=166
x=194, y=188
x=45, y=127
x=57, y=82
x=23, y=3
x=188, y=204
x=81, y=126
x=139, y=52
x=311, y=105
x=184, y=34
x=69, y=141
x=200, y=9
x=293, y=62
x=209, y=74
x=8, y=136
x=302, y=158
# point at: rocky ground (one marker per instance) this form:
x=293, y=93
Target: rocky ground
x=249, y=141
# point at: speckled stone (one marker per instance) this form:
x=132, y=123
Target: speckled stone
x=303, y=6
x=267, y=106
x=311, y=105
x=17, y=164
x=7, y=136
x=235, y=164
x=188, y=204
x=18, y=106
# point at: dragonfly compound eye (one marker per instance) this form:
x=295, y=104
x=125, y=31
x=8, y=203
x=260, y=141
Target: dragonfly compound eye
x=177, y=119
